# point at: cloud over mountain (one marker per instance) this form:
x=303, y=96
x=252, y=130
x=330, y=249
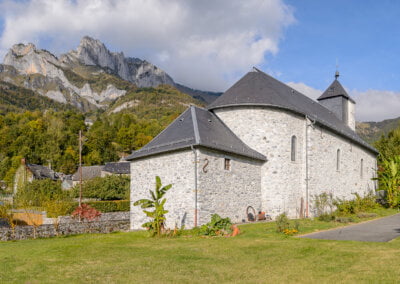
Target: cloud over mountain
x=203, y=44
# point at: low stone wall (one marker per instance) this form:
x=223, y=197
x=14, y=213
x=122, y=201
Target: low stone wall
x=111, y=216
x=70, y=228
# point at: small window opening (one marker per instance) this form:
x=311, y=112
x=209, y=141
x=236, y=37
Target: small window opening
x=293, y=149
x=227, y=164
x=361, y=168
x=338, y=160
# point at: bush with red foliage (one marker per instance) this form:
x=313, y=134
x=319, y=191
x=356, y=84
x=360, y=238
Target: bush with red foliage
x=85, y=212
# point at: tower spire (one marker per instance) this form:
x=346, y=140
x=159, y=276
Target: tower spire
x=337, y=70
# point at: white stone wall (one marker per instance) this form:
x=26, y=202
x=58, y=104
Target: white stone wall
x=227, y=192
x=351, y=115
x=269, y=131
x=324, y=176
x=283, y=182
x=175, y=168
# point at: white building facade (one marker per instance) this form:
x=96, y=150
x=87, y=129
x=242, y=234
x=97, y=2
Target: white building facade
x=260, y=145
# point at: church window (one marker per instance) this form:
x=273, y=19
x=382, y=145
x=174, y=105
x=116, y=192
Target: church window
x=338, y=160
x=361, y=168
x=293, y=149
x=227, y=164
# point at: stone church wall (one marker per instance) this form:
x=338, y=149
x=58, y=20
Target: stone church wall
x=283, y=182
x=176, y=168
x=227, y=192
x=347, y=179
x=269, y=131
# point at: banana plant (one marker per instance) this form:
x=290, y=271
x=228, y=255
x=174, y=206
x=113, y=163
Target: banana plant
x=157, y=224
x=389, y=180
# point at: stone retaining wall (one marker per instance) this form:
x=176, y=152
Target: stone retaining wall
x=70, y=228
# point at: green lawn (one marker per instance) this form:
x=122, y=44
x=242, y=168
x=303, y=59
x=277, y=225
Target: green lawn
x=258, y=255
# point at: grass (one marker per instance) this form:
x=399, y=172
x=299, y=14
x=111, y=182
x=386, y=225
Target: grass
x=258, y=255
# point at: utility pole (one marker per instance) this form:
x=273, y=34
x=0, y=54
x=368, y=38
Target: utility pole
x=80, y=171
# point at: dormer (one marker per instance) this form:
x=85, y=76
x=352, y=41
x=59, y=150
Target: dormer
x=336, y=99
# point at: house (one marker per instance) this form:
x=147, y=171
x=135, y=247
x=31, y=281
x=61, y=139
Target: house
x=28, y=172
x=260, y=146
x=88, y=172
x=116, y=168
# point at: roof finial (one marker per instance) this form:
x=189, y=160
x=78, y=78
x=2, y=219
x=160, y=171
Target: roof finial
x=337, y=71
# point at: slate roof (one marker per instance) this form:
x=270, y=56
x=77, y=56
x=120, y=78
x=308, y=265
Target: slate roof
x=335, y=90
x=196, y=127
x=88, y=172
x=118, y=168
x=259, y=89
x=42, y=172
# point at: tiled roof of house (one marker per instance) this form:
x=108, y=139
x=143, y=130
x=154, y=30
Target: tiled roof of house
x=42, y=172
x=88, y=172
x=199, y=128
x=259, y=89
x=117, y=168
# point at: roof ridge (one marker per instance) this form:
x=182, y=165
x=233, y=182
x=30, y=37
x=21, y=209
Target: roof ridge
x=195, y=125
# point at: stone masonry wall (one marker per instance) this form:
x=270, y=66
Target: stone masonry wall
x=175, y=168
x=45, y=231
x=324, y=176
x=269, y=131
x=283, y=182
x=227, y=192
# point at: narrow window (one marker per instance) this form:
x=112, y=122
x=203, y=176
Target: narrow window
x=227, y=164
x=338, y=160
x=362, y=168
x=293, y=149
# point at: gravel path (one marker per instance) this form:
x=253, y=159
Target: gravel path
x=380, y=230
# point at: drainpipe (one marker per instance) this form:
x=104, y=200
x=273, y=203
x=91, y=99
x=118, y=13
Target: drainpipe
x=195, y=185
x=307, y=170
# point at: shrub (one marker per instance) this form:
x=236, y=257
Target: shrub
x=86, y=213
x=326, y=217
x=282, y=223
x=111, y=187
x=104, y=206
x=356, y=205
x=344, y=219
x=218, y=226
x=323, y=202
x=366, y=215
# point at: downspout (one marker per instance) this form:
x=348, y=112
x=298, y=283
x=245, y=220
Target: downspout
x=307, y=169
x=197, y=142
x=195, y=185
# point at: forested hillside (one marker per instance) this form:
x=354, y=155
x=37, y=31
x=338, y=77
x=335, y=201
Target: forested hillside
x=49, y=135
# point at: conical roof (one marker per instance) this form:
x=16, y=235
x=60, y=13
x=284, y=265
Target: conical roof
x=196, y=127
x=259, y=89
x=335, y=90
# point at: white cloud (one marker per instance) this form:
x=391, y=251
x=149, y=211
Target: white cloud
x=203, y=44
x=371, y=105
x=376, y=105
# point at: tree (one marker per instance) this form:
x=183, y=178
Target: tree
x=156, y=225
x=389, y=179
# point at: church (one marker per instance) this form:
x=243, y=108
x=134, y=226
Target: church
x=261, y=146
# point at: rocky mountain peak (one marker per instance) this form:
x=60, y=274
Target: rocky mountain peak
x=22, y=49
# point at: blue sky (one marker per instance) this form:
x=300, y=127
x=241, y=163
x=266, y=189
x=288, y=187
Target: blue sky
x=363, y=36
x=210, y=44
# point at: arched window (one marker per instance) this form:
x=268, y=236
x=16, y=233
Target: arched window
x=293, y=149
x=361, y=168
x=338, y=160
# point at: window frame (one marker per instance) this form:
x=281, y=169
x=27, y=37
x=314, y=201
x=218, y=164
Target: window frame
x=293, y=148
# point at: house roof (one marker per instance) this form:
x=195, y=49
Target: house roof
x=196, y=127
x=259, y=89
x=335, y=90
x=88, y=172
x=118, y=168
x=42, y=172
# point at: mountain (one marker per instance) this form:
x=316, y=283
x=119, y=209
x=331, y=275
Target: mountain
x=88, y=78
x=372, y=131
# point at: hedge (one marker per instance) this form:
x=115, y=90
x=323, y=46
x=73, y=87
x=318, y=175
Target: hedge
x=105, y=206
